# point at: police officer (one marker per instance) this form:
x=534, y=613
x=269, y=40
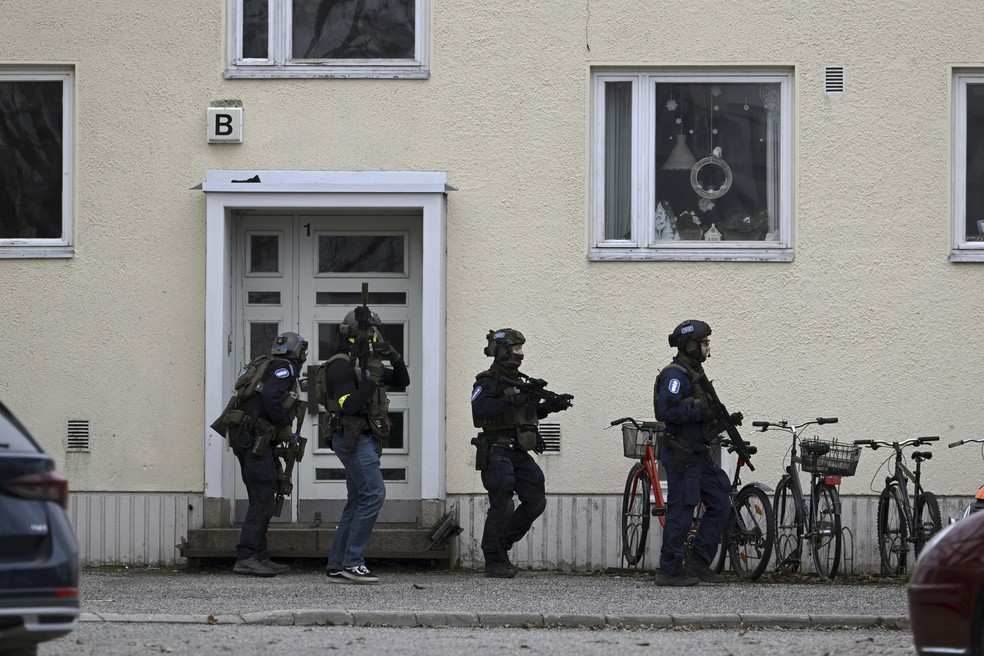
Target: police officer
x=692, y=476
x=269, y=417
x=354, y=381
x=508, y=418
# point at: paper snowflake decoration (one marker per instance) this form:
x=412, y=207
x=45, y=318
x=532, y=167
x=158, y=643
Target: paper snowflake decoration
x=716, y=108
x=715, y=91
x=679, y=121
x=705, y=204
x=714, y=131
x=671, y=105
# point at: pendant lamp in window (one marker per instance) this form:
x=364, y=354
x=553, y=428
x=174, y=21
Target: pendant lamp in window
x=680, y=157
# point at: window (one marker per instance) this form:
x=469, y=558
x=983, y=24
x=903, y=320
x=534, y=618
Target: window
x=968, y=149
x=36, y=150
x=328, y=38
x=692, y=165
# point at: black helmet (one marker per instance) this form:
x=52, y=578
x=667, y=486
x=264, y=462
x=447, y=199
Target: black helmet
x=500, y=343
x=291, y=346
x=687, y=336
x=350, y=324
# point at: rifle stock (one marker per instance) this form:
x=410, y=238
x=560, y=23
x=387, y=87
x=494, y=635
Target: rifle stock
x=724, y=417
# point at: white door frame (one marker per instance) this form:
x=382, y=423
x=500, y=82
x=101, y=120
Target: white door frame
x=228, y=191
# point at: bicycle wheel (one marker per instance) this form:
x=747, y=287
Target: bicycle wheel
x=893, y=535
x=928, y=520
x=788, y=527
x=826, y=537
x=750, y=533
x=635, y=514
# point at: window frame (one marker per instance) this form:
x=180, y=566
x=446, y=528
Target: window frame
x=643, y=245
x=961, y=249
x=64, y=246
x=280, y=65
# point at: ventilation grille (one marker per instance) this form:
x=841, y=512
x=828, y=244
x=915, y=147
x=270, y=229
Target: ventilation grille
x=551, y=435
x=833, y=80
x=78, y=435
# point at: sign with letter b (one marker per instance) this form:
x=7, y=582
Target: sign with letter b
x=225, y=125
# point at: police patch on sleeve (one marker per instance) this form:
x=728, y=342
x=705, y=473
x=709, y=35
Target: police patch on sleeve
x=674, y=386
x=476, y=392
x=283, y=372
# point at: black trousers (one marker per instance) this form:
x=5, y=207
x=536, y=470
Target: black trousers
x=510, y=472
x=260, y=477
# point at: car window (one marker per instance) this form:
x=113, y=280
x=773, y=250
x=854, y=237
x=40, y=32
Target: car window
x=12, y=437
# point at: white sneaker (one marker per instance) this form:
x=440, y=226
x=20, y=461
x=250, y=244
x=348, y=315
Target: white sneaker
x=359, y=574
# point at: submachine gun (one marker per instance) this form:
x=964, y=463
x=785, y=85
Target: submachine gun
x=291, y=451
x=537, y=387
x=722, y=419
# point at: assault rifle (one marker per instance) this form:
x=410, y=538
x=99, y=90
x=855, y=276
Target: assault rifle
x=364, y=344
x=291, y=451
x=723, y=418
x=537, y=387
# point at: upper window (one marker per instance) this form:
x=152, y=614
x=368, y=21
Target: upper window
x=328, y=38
x=968, y=149
x=36, y=128
x=692, y=165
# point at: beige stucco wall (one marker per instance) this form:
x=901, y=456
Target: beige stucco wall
x=870, y=322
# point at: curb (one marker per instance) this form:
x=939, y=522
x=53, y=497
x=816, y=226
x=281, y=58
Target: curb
x=316, y=617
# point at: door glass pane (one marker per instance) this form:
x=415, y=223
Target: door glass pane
x=263, y=298
x=264, y=253
x=256, y=26
x=338, y=474
x=261, y=338
x=355, y=298
x=353, y=29
x=31, y=160
x=618, y=160
x=361, y=254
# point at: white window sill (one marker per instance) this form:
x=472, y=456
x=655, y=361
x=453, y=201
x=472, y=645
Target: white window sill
x=694, y=254
x=412, y=72
x=967, y=255
x=36, y=252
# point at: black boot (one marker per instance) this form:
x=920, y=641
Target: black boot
x=497, y=566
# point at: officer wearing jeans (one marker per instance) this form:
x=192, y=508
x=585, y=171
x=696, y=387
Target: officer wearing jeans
x=508, y=420
x=692, y=477
x=354, y=389
x=272, y=409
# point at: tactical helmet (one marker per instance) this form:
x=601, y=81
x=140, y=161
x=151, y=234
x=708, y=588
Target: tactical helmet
x=687, y=336
x=350, y=324
x=500, y=343
x=291, y=346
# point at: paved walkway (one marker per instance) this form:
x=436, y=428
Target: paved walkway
x=425, y=597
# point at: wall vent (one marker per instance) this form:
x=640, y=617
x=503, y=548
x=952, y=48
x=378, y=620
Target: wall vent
x=551, y=435
x=78, y=435
x=833, y=80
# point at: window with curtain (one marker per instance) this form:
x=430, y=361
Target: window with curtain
x=691, y=164
x=328, y=38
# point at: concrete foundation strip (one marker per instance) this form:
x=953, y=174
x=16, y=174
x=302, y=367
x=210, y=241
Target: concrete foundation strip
x=316, y=617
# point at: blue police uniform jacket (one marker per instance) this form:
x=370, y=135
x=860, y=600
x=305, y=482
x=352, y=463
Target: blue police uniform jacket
x=682, y=421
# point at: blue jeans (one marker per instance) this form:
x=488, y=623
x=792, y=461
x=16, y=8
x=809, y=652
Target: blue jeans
x=366, y=493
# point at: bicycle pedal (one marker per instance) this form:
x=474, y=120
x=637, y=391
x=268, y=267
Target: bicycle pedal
x=659, y=512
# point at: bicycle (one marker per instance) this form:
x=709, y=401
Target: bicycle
x=900, y=522
x=749, y=534
x=817, y=521
x=978, y=503
x=751, y=529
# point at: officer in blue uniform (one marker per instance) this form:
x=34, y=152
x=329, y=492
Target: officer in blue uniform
x=692, y=476
x=273, y=410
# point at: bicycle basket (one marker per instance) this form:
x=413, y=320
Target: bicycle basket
x=634, y=440
x=840, y=460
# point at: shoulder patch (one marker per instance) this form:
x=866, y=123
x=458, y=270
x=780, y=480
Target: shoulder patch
x=674, y=385
x=476, y=392
x=283, y=372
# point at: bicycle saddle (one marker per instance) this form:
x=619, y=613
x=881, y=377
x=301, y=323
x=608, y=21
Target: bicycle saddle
x=919, y=456
x=815, y=448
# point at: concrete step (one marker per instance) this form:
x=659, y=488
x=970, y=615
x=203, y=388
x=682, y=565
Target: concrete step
x=387, y=541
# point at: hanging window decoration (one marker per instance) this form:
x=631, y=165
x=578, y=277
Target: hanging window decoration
x=708, y=189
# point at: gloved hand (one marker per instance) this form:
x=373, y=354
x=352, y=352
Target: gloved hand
x=374, y=370
x=541, y=445
x=736, y=418
x=561, y=404
x=284, y=433
x=392, y=354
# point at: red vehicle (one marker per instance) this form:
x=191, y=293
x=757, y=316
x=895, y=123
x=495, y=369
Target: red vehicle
x=946, y=591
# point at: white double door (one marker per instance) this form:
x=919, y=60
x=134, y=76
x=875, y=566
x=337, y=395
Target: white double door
x=304, y=272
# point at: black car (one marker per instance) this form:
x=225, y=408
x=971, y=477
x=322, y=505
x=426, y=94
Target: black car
x=39, y=557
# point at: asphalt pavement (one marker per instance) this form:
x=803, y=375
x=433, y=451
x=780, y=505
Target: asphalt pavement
x=410, y=596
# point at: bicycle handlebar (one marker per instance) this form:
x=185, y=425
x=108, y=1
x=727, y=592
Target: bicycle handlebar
x=622, y=421
x=966, y=441
x=785, y=425
x=916, y=441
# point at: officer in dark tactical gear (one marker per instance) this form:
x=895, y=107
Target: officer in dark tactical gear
x=354, y=392
x=269, y=412
x=508, y=418
x=692, y=476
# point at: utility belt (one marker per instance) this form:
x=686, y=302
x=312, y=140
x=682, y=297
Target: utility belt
x=521, y=439
x=254, y=434
x=685, y=452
